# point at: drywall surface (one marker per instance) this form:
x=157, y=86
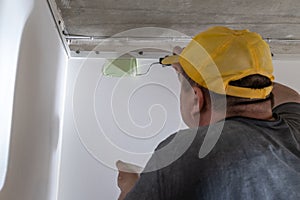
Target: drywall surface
x=288, y=72
x=37, y=55
x=10, y=39
x=109, y=118
x=133, y=113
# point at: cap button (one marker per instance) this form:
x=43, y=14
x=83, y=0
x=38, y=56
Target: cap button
x=239, y=32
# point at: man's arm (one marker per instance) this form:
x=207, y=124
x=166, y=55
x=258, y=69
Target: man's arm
x=283, y=94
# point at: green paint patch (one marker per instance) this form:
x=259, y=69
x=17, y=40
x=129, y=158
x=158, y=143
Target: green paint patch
x=120, y=67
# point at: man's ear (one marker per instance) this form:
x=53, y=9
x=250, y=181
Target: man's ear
x=198, y=99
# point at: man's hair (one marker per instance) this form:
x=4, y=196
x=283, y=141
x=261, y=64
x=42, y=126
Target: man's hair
x=255, y=81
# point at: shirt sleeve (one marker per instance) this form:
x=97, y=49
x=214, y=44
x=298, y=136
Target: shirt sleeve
x=162, y=177
x=150, y=184
x=147, y=187
x=289, y=112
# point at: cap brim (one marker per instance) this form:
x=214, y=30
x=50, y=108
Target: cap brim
x=170, y=60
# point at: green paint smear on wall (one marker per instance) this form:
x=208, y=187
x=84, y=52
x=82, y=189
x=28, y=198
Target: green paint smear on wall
x=120, y=67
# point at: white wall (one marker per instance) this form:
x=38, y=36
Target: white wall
x=33, y=48
x=87, y=168
x=97, y=105
x=10, y=39
x=287, y=72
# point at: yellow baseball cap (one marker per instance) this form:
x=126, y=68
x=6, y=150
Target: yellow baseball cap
x=219, y=55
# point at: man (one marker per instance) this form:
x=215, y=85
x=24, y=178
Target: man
x=227, y=86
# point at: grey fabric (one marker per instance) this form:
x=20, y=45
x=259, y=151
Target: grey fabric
x=253, y=159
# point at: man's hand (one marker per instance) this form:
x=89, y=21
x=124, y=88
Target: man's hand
x=176, y=51
x=127, y=177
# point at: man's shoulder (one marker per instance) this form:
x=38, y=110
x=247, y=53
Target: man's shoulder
x=179, y=136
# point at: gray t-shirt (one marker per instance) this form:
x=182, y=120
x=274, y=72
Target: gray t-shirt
x=252, y=159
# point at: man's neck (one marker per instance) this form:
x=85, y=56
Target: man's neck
x=256, y=111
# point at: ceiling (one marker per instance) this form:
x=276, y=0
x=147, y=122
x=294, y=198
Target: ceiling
x=86, y=23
